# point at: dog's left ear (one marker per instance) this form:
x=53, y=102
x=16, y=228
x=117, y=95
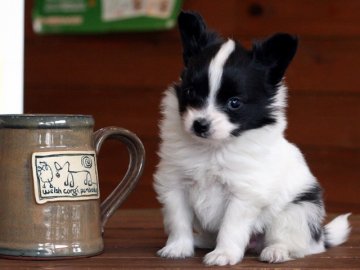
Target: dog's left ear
x=275, y=54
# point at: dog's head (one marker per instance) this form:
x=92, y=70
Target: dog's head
x=225, y=89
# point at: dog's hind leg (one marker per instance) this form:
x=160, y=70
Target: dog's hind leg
x=293, y=232
x=88, y=180
x=70, y=180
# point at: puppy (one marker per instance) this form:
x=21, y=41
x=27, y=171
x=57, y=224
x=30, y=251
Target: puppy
x=226, y=172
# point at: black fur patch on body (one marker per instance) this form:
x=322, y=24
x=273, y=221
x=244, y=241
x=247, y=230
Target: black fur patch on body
x=312, y=195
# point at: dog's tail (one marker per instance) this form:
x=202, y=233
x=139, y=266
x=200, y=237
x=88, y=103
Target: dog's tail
x=337, y=231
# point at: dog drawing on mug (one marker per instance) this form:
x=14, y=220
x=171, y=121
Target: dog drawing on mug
x=45, y=174
x=69, y=176
x=227, y=178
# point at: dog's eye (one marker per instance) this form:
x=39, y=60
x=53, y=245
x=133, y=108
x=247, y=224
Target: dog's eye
x=234, y=103
x=190, y=93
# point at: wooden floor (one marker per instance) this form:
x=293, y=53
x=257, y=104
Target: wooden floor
x=132, y=238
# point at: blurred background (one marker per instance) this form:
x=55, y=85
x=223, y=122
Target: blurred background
x=119, y=78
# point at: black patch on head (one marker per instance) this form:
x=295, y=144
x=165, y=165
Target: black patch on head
x=195, y=79
x=312, y=195
x=243, y=80
x=199, y=46
x=254, y=77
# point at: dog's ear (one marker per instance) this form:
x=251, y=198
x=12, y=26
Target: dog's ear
x=67, y=164
x=57, y=166
x=275, y=54
x=194, y=34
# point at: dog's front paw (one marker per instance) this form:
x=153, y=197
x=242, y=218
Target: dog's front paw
x=177, y=250
x=222, y=257
x=275, y=254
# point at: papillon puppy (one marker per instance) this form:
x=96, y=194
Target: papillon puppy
x=228, y=179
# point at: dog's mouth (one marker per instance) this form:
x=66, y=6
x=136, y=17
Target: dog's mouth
x=203, y=135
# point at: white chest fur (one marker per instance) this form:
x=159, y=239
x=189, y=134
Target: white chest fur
x=208, y=200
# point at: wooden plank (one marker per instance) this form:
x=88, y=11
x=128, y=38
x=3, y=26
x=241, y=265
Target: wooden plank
x=328, y=137
x=325, y=67
x=321, y=120
x=109, y=59
x=144, y=61
x=319, y=66
x=190, y=263
x=324, y=120
x=336, y=169
x=132, y=238
x=338, y=172
x=318, y=19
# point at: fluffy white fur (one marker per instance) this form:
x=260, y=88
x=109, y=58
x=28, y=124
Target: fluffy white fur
x=219, y=191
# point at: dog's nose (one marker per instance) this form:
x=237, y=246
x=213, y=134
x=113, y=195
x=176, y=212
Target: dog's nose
x=201, y=126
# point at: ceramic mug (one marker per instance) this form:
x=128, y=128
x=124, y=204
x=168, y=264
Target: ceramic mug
x=49, y=201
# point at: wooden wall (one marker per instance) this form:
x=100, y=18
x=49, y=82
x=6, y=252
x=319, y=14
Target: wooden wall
x=119, y=79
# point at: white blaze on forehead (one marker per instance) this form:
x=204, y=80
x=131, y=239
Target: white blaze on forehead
x=220, y=126
x=217, y=65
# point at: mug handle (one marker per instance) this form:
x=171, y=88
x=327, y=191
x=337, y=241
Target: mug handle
x=136, y=166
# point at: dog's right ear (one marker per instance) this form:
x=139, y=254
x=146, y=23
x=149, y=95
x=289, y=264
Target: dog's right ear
x=194, y=34
x=275, y=54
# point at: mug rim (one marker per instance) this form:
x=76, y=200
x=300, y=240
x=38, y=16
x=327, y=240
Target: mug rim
x=44, y=121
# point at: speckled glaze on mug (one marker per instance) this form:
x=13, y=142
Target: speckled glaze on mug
x=68, y=226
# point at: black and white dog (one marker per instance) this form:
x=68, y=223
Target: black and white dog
x=227, y=176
